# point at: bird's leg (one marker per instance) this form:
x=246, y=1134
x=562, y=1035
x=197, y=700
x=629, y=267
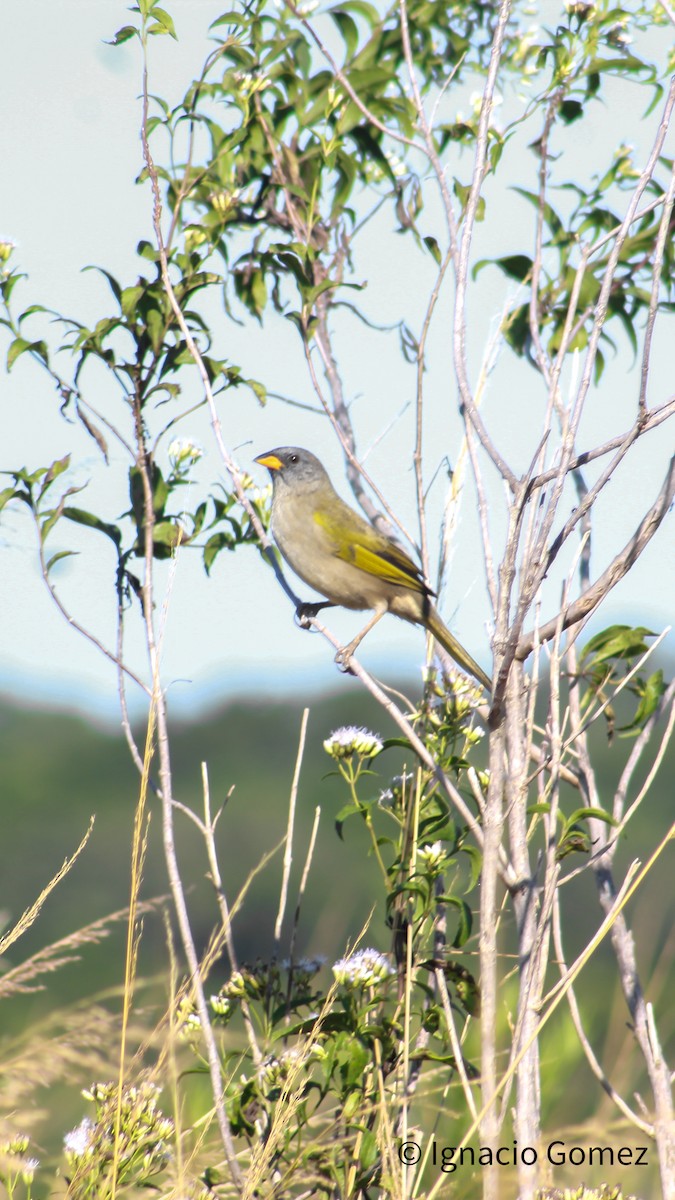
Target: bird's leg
x=343, y=656
x=304, y=611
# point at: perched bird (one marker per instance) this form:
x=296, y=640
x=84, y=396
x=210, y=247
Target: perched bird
x=339, y=554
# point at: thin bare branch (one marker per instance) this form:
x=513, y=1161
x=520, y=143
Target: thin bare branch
x=208, y=830
x=303, y=884
x=75, y=624
x=454, y=1041
x=419, y=410
x=651, y=420
x=665, y=231
x=288, y=845
x=585, y=1044
x=177, y=891
x=346, y=85
x=617, y=569
x=339, y=419
x=462, y=260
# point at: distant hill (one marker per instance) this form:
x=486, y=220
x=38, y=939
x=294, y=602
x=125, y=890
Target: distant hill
x=57, y=770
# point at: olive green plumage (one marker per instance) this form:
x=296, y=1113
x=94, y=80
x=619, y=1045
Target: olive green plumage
x=339, y=554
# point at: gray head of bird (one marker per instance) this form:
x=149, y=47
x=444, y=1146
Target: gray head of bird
x=291, y=466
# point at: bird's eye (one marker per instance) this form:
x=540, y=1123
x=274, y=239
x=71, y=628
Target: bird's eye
x=293, y=458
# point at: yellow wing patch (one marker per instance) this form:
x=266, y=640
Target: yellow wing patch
x=371, y=552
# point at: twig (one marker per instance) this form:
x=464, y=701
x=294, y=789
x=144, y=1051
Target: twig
x=288, y=846
x=652, y=419
x=208, y=829
x=454, y=1041
x=75, y=624
x=462, y=261
x=339, y=419
x=303, y=881
x=419, y=402
x=215, y=1069
x=624, y=951
x=577, y=1021
x=344, y=82
x=619, y=567
x=539, y=557
x=657, y=266
x=454, y=796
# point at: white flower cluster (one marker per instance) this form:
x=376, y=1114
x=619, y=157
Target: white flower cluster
x=15, y=1164
x=221, y=1006
x=349, y=740
x=142, y=1133
x=183, y=454
x=432, y=857
x=362, y=969
x=394, y=794
x=79, y=1141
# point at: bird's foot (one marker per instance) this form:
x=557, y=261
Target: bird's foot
x=304, y=612
x=343, y=660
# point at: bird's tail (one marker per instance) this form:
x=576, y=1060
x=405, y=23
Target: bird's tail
x=455, y=649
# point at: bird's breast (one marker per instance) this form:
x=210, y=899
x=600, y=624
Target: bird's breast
x=311, y=552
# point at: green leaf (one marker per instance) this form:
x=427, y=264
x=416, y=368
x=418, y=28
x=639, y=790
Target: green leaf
x=571, y=110
x=57, y=468
x=114, y=285
x=61, y=554
x=169, y=533
x=348, y=30
x=550, y=215
x=651, y=692
x=156, y=327
x=81, y=517
x=129, y=299
x=515, y=266
x=618, y=641
x=259, y=390
x=434, y=249
x=465, y=920
x=462, y=192
x=230, y=18
x=585, y=814
x=466, y=987
x=216, y=543
x=163, y=23
x=123, y=35
x=476, y=860
x=20, y=346
x=93, y=431
x=368, y=1149
x=8, y=494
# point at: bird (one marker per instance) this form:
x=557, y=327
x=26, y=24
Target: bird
x=344, y=558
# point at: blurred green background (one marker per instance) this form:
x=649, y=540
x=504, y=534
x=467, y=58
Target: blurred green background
x=58, y=770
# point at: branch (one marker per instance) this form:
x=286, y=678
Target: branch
x=419, y=410
x=459, y=331
x=75, y=624
x=341, y=422
x=653, y=418
x=177, y=891
x=453, y=794
x=664, y=231
x=623, y=562
x=344, y=82
x=538, y=557
x=584, y=1042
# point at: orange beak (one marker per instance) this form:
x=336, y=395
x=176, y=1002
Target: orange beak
x=271, y=461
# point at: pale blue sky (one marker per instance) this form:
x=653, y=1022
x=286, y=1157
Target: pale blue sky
x=70, y=150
